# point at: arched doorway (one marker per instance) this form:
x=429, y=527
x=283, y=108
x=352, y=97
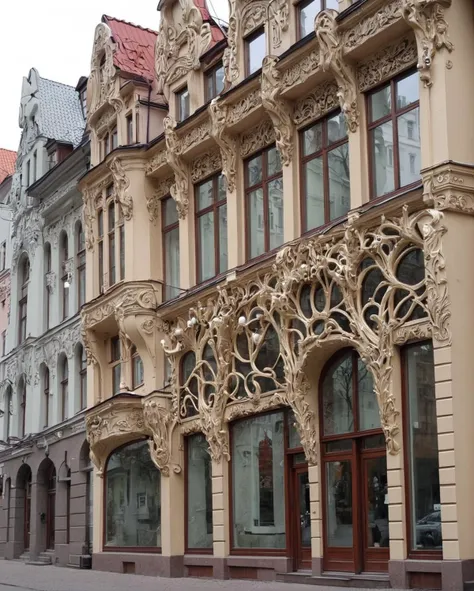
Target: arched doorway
x=353, y=468
x=23, y=486
x=51, y=508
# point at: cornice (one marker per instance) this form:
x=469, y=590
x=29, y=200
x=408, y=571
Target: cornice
x=450, y=186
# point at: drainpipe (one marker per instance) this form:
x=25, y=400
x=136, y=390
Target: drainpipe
x=148, y=116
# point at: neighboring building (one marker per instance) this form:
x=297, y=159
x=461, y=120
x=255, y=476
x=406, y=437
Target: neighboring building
x=279, y=301
x=44, y=458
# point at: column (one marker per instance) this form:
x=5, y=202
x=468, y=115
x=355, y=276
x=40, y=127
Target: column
x=220, y=516
x=291, y=194
x=98, y=503
x=358, y=158
x=316, y=520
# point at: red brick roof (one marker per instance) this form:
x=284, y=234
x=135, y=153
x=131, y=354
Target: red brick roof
x=136, y=47
x=216, y=31
x=7, y=163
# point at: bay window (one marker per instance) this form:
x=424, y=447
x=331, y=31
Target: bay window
x=255, y=51
x=199, y=494
x=211, y=227
x=394, y=132
x=325, y=172
x=214, y=81
x=264, y=202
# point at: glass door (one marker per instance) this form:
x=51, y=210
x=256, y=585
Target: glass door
x=376, y=534
x=303, y=515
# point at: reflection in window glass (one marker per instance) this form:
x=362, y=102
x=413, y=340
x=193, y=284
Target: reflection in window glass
x=339, y=184
x=380, y=103
x=257, y=223
x=314, y=193
x=133, y=498
x=368, y=405
x=199, y=484
x=339, y=504
x=337, y=397
x=258, y=482
x=408, y=90
x=206, y=251
x=381, y=139
x=256, y=52
x=275, y=212
x=423, y=448
x=409, y=147
x=308, y=12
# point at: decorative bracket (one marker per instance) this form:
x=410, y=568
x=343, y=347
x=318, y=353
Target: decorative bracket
x=226, y=143
x=331, y=58
x=121, y=186
x=159, y=421
x=179, y=189
x=426, y=18
x=277, y=108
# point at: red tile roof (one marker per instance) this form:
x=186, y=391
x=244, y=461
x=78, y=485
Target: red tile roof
x=136, y=47
x=7, y=163
x=216, y=31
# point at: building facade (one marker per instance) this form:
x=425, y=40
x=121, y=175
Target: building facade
x=278, y=321
x=44, y=462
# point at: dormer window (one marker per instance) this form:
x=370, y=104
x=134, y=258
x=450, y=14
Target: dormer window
x=214, y=81
x=182, y=104
x=307, y=11
x=255, y=51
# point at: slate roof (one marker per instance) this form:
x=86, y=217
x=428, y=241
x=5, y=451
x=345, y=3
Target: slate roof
x=136, y=48
x=60, y=112
x=7, y=163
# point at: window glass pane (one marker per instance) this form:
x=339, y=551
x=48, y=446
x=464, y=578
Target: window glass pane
x=210, y=86
x=337, y=446
x=294, y=439
x=221, y=188
x=337, y=128
x=409, y=147
x=380, y=103
x=222, y=238
x=338, y=414
x=368, y=405
x=408, y=90
x=172, y=263
x=171, y=213
x=100, y=222
x=256, y=223
x=116, y=379
x=382, y=170
x=313, y=139
x=377, y=504
x=256, y=53
x=111, y=216
x=274, y=161
x=423, y=448
x=219, y=80
x=275, y=212
x=254, y=171
x=138, y=377
x=204, y=195
x=339, y=183
x=334, y=4
x=339, y=504
x=199, y=493
x=206, y=246
x=314, y=193
x=308, y=12
x=259, y=482
x=133, y=498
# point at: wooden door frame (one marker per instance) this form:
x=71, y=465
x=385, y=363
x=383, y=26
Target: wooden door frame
x=301, y=557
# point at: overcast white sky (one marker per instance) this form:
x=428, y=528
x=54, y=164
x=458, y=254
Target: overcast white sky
x=55, y=37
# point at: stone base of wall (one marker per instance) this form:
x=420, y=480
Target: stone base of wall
x=154, y=565
x=448, y=575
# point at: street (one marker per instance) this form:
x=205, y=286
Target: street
x=16, y=576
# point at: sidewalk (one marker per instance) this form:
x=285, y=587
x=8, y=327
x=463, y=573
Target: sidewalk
x=16, y=576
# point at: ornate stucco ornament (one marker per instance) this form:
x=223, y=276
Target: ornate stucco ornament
x=227, y=143
x=176, y=30
x=179, y=189
x=153, y=202
x=252, y=343
x=426, y=18
x=331, y=58
x=277, y=108
x=121, y=186
x=160, y=422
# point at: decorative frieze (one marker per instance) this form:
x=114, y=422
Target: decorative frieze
x=372, y=25
x=256, y=139
x=316, y=104
x=156, y=162
x=153, y=203
x=193, y=137
x=205, y=165
x=240, y=109
x=386, y=64
x=300, y=71
x=450, y=186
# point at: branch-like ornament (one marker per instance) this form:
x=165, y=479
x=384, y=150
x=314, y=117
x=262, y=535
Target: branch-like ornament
x=121, y=186
x=331, y=58
x=159, y=421
x=227, y=144
x=179, y=189
x=426, y=18
x=277, y=108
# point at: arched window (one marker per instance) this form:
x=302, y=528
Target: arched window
x=81, y=265
x=22, y=406
x=46, y=397
x=82, y=362
x=65, y=276
x=23, y=302
x=64, y=389
x=354, y=467
x=47, y=284
x=137, y=369
x=133, y=498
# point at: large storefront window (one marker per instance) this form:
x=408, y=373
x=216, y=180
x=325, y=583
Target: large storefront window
x=133, y=499
x=259, y=482
x=425, y=509
x=199, y=494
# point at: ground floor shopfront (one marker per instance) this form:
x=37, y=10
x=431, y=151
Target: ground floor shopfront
x=317, y=423
x=46, y=506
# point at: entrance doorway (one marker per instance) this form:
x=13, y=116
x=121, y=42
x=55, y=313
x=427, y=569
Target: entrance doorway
x=301, y=513
x=354, y=469
x=51, y=509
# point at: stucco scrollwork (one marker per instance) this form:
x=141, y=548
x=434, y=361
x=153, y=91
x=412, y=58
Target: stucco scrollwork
x=319, y=102
x=121, y=186
x=153, y=203
x=331, y=58
x=179, y=189
x=366, y=286
x=160, y=422
x=426, y=18
x=259, y=137
x=300, y=71
x=240, y=109
x=277, y=108
x=205, y=165
x=372, y=25
x=218, y=113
